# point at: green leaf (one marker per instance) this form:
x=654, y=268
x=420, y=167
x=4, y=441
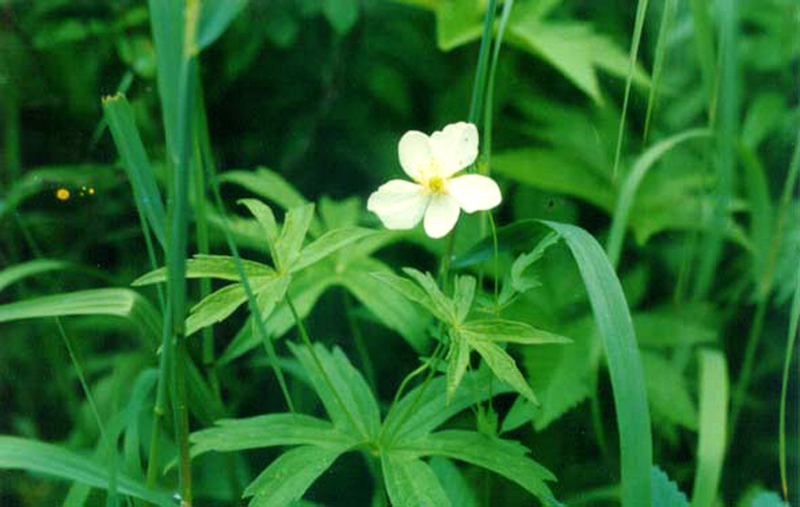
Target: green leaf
x=350, y=401
x=504, y=457
x=293, y=233
x=463, y=295
x=269, y=185
x=341, y=14
x=552, y=171
x=42, y=458
x=119, y=117
x=457, y=487
x=13, y=274
x=269, y=430
x=504, y=367
x=713, y=426
x=288, y=477
x=458, y=22
x=575, y=50
x=675, y=327
x=501, y=330
x=411, y=482
x=222, y=267
x=519, y=281
x=665, y=491
x=622, y=355
x=123, y=303
x=391, y=308
x=329, y=243
x=215, y=16
x=632, y=182
x=433, y=408
x=266, y=219
x=440, y=304
x=306, y=288
x=667, y=391
x=562, y=377
x=412, y=292
x=457, y=362
x=221, y=303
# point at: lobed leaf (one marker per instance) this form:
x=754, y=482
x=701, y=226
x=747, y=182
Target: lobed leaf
x=295, y=227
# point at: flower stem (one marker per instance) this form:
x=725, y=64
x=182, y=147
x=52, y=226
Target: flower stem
x=307, y=341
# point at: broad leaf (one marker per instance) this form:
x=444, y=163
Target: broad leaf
x=463, y=295
x=440, y=304
x=215, y=16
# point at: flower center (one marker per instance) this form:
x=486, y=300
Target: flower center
x=436, y=184
x=431, y=178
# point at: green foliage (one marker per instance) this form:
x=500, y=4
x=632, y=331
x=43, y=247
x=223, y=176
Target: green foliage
x=400, y=441
x=667, y=134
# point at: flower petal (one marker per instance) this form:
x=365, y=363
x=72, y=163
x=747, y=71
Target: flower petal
x=455, y=147
x=414, y=151
x=399, y=204
x=475, y=192
x=441, y=216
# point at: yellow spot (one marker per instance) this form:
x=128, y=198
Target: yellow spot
x=91, y=190
x=436, y=184
x=62, y=194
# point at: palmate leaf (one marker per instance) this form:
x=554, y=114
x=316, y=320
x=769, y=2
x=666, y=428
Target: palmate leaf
x=269, y=286
x=400, y=442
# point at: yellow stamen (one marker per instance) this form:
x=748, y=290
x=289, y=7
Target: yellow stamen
x=62, y=194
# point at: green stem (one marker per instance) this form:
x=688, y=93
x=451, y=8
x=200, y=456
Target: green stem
x=433, y=362
x=81, y=378
x=307, y=341
x=361, y=345
x=480, y=73
x=743, y=382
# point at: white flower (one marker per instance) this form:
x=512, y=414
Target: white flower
x=435, y=194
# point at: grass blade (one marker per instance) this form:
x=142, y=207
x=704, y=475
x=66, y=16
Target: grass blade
x=726, y=130
x=713, y=423
x=123, y=303
x=631, y=185
x=641, y=10
x=119, y=116
x=658, y=65
x=794, y=319
x=43, y=458
x=13, y=274
x=624, y=363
